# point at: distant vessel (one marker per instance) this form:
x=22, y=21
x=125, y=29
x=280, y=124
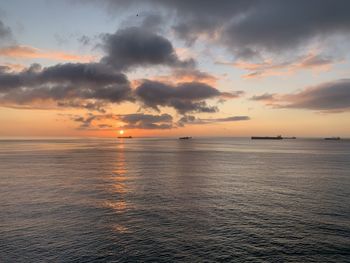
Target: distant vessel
x=185, y=138
x=279, y=137
x=290, y=138
x=124, y=137
x=332, y=138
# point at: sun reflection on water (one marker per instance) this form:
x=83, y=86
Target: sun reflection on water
x=120, y=229
x=119, y=206
x=119, y=189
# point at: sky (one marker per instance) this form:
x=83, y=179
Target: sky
x=88, y=68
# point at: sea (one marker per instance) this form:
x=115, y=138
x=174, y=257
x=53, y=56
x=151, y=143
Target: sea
x=171, y=200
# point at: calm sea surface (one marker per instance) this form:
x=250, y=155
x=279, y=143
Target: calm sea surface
x=166, y=200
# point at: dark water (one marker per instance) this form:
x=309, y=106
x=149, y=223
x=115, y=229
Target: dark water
x=166, y=200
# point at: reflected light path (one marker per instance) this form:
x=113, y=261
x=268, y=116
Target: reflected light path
x=118, y=189
x=166, y=200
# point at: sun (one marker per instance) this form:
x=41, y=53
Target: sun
x=121, y=132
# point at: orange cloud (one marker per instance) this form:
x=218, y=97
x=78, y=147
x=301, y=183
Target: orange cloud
x=312, y=61
x=14, y=67
x=27, y=52
x=187, y=75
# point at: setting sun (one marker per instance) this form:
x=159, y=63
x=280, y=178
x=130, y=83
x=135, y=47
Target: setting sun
x=121, y=132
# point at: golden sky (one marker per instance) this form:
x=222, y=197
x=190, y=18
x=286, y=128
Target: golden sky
x=220, y=69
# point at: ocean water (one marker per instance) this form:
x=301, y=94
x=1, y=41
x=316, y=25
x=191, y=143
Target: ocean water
x=169, y=200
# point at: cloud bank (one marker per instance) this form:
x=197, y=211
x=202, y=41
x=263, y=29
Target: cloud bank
x=248, y=28
x=62, y=82
x=144, y=121
x=328, y=97
x=95, y=85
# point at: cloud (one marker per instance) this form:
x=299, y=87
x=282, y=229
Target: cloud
x=190, y=119
x=14, y=67
x=129, y=121
x=152, y=21
x=279, y=25
x=94, y=85
x=184, y=97
x=89, y=105
x=315, y=61
x=311, y=61
x=146, y=121
x=26, y=52
x=229, y=119
x=326, y=97
x=253, y=28
x=64, y=82
x=5, y=32
x=263, y=97
x=85, y=122
x=134, y=46
x=187, y=75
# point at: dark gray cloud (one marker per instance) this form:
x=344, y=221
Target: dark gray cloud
x=93, y=85
x=152, y=21
x=184, y=97
x=249, y=27
x=330, y=96
x=197, y=17
x=85, y=122
x=89, y=105
x=64, y=82
x=5, y=32
x=277, y=25
x=87, y=74
x=135, y=46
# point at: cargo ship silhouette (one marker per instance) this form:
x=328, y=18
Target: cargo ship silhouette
x=332, y=138
x=279, y=137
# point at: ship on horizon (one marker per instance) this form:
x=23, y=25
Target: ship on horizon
x=124, y=137
x=332, y=138
x=279, y=137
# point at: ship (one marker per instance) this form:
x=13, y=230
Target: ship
x=124, y=137
x=185, y=138
x=279, y=137
x=332, y=138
